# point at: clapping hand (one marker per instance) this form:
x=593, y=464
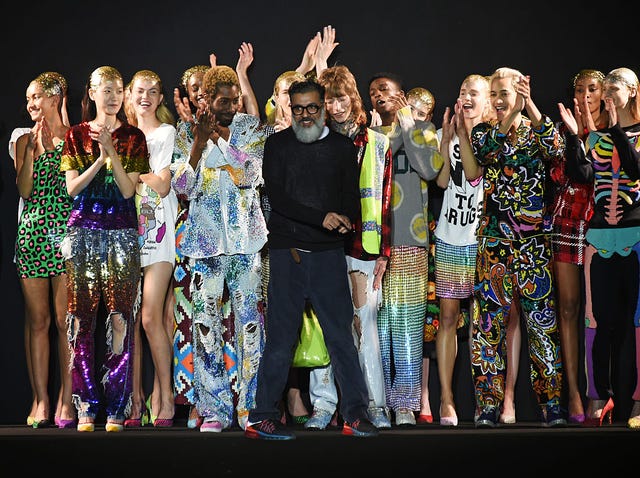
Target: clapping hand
x=568, y=119
x=611, y=109
x=183, y=107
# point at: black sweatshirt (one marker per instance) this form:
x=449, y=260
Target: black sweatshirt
x=303, y=182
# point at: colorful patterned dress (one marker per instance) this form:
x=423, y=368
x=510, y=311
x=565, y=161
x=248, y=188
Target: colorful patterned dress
x=43, y=220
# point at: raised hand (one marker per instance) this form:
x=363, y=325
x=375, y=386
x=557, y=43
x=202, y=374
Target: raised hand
x=577, y=114
x=458, y=118
x=102, y=135
x=34, y=136
x=568, y=119
x=206, y=126
x=448, y=125
x=613, y=113
x=308, y=61
x=586, y=118
x=245, y=57
x=46, y=136
x=523, y=88
x=283, y=118
x=376, y=120
x=213, y=60
x=398, y=101
x=325, y=48
x=182, y=107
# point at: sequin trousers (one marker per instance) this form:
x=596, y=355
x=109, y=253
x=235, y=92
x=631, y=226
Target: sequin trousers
x=182, y=336
x=100, y=265
x=401, y=325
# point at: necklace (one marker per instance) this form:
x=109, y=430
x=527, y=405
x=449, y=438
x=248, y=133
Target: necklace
x=109, y=128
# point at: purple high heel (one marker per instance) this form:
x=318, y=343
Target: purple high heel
x=576, y=418
x=65, y=423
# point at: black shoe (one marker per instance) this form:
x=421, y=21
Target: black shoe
x=488, y=417
x=361, y=427
x=554, y=417
x=269, y=430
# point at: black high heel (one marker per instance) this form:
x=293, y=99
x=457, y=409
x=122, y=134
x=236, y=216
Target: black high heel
x=44, y=423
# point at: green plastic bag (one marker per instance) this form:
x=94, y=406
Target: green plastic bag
x=311, y=350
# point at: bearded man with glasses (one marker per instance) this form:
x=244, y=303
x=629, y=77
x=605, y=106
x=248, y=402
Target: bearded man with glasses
x=311, y=179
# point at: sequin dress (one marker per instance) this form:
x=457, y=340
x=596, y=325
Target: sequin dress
x=43, y=220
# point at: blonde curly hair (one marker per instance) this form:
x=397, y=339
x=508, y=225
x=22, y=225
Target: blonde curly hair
x=217, y=76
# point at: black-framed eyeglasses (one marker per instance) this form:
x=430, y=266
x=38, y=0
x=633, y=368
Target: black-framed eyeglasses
x=311, y=108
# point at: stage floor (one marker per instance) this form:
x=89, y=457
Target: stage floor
x=523, y=449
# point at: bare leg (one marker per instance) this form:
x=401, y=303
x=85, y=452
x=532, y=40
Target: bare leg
x=446, y=351
x=514, y=340
x=36, y=296
x=65, y=410
x=295, y=404
x=169, y=319
x=157, y=278
x=568, y=294
x=27, y=350
x=425, y=406
x=137, y=392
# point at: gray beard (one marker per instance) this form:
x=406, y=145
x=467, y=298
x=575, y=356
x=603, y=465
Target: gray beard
x=310, y=134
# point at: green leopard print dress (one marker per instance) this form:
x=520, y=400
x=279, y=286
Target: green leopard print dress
x=43, y=222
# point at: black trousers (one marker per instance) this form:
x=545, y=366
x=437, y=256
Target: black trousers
x=321, y=277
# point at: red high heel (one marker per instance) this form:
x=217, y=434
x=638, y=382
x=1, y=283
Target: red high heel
x=607, y=411
x=136, y=422
x=423, y=418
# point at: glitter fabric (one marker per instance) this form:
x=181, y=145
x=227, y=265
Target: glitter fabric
x=222, y=236
x=101, y=265
x=101, y=204
x=182, y=310
x=212, y=390
x=225, y=216
x=401, y=325
x=455, y=270
x=421, y=98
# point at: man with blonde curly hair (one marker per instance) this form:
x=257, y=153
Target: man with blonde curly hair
x=223, y=235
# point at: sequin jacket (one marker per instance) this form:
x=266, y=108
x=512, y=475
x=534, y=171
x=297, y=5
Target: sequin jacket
x=101, y=205
x=224, y=203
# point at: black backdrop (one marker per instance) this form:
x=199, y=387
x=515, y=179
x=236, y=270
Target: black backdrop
x=433, y=44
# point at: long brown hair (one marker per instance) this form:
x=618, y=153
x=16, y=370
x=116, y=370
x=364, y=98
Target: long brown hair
x=339, y=81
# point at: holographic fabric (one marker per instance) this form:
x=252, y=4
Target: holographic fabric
x=213, y=393
x=100, y=265
x=401, y=325
x=103, y=264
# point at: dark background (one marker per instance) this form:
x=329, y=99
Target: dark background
x=433, y=44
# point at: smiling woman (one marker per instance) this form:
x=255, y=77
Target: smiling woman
x=157, y=208
x=42, y=224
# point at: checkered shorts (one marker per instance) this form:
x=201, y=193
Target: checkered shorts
x=568, y=241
